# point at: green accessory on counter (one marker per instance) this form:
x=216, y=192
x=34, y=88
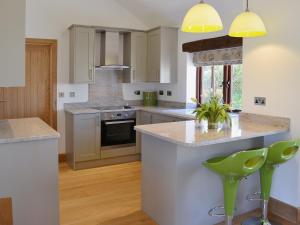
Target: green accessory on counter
x=150, y=98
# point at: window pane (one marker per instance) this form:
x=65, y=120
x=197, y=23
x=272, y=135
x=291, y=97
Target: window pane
x=206, y=83
x=210, y=84
x=236, y=92
x=219, y=71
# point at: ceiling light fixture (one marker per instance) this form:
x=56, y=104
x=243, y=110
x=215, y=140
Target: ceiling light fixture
x=202, y=18
x=247, y=24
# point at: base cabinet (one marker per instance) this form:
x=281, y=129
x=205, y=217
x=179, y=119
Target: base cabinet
x=144, y=118
x=82, y=137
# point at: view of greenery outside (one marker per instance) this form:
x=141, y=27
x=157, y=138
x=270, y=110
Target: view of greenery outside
x=236, y=86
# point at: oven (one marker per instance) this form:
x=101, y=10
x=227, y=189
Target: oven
x=117, y=128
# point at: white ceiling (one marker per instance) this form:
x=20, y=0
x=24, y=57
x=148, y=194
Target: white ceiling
x=171, y=12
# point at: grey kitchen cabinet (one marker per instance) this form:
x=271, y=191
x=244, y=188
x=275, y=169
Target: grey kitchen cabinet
x=135, y=55
x=162, y=50
x=12, y=43
x=82, y=137
x=144, y=118
x=82, y=54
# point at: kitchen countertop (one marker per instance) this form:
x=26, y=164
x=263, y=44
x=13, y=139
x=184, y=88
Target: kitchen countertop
x=26, y=129
x=190, y=134
x=180, y=113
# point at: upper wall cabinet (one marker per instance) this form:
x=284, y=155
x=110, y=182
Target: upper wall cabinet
x=135, y=55
x=12, y=43
x=82, y=49
x=162, y=55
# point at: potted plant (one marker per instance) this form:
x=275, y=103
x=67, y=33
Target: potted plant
x=214, y=111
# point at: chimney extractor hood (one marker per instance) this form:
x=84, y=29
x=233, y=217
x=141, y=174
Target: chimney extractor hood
x=111, y=51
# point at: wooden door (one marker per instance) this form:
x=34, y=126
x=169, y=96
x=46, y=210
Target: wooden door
x=38, y=97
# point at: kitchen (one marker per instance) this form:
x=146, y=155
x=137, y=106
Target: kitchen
x=99, y=108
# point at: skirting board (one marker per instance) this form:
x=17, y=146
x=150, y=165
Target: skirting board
x=6, y=216
x=284, y=211
x=62, y=158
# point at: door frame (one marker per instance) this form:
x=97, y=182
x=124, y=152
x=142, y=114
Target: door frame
x=52, y=43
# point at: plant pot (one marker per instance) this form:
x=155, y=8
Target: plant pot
x=213, y=126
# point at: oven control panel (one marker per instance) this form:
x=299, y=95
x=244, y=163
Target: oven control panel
x=118, y=115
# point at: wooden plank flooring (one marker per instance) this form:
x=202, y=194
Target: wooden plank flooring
x=102, y=196
x=106, y=196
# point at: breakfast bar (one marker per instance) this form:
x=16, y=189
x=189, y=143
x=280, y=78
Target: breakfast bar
x=176, y=188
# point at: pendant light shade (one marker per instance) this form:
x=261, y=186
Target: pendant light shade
x=202, y=18
x=247, y=24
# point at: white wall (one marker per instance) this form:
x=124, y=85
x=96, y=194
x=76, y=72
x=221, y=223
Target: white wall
x=271, y=69
x=185, y=87
x=51, y=19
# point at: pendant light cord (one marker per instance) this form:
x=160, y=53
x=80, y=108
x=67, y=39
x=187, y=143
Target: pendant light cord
x=247, y=6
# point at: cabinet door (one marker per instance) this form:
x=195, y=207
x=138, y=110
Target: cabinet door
x=144, y=118
x=86, y=137
x=12, y=43
x=82, y=55
x=153, y=66
x=158, y=118
x=139, y=56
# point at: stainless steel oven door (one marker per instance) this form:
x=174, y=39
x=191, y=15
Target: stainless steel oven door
x=117, y=132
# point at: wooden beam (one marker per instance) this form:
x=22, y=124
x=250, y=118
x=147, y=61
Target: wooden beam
x=212, y=44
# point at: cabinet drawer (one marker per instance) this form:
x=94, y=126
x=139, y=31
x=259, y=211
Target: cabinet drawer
x=115, y=152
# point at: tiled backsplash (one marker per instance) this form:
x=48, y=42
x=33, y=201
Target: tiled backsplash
x=108, y=84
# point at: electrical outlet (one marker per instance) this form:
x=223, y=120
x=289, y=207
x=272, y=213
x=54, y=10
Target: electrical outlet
x=169, y=93
x=61, y=94
x=137, y=92
x=260, y=101
x=161, y=92
x=72, y=94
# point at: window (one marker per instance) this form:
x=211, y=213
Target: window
x=222, y=80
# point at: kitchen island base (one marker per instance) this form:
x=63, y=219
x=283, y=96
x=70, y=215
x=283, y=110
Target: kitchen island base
x=178, y=190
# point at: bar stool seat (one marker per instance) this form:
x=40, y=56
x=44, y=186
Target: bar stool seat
x=278, y=153
x=232, y=169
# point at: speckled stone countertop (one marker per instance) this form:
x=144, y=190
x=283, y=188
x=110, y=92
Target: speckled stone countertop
x=26, y=129
x=89, y=109
x=191, y=134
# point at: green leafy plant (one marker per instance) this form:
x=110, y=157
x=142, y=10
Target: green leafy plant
x=214, y=111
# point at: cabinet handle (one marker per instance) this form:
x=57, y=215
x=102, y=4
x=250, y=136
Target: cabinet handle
x=3, y=100
x=90, y=73
x=157, y=75
x=133, y=74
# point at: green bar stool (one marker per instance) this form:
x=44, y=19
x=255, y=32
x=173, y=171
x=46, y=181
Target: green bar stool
x=232, y=169
x=278, y=153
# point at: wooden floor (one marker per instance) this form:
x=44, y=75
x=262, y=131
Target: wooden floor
x=106, y=196
x=102, y=196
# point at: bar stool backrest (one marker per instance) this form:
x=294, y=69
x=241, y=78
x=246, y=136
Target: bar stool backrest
x=240, y=164
x=281, y=152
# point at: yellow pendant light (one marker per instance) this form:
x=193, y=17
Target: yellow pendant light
x=247, y=24
x=202, y=18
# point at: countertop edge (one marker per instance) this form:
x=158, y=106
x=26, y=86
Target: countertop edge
x=206, y=143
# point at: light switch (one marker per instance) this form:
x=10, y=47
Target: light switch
x=72, y=94
x=61, y=94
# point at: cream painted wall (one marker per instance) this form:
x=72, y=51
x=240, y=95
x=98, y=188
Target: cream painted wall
x=184, y=89
x=271, y=69
x=51, y=18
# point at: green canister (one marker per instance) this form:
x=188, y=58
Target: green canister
x=150, y=98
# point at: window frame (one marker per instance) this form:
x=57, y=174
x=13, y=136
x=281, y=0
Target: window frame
x=227, y=81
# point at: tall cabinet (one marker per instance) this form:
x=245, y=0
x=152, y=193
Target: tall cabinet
x=162, y=50
x=82, y=54
x=12, y=43
x=135, y=55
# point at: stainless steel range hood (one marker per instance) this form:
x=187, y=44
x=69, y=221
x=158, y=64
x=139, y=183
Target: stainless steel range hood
x=111, y=51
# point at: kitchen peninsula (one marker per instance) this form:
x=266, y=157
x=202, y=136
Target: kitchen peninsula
x=176, y=188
